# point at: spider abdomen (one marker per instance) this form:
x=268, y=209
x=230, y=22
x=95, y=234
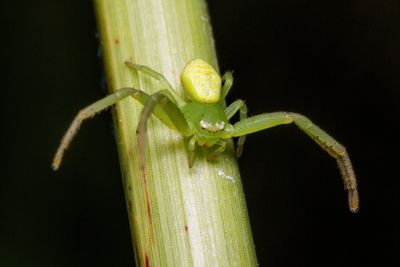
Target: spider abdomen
x=201, y=82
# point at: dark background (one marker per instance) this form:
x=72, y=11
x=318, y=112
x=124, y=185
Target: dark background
x=335, y=61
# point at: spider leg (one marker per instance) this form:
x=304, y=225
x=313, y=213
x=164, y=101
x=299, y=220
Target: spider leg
x=238, y=105
x=336, y=150
x=158, y=99
x=191, y=147
x=227, y=79
x=159, y=77
x=86, y=113
x=168, y=113
x=217, y=149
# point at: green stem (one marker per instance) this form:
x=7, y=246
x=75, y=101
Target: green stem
x=179, y=216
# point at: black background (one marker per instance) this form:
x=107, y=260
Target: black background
x=335, y=61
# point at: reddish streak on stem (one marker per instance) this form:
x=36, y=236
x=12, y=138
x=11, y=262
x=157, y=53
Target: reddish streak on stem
x=146, y=259
x=146, y=192
x=147, y=196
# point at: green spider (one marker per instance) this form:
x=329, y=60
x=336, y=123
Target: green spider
x=204, y=121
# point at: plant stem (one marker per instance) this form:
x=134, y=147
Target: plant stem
x=179, y=216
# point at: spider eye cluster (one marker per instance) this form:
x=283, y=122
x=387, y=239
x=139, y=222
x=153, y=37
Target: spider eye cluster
x=212, y=127
x=201, y=82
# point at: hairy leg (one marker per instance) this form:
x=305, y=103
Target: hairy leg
x=86, y=113
x=335, y=149
x=167, y=112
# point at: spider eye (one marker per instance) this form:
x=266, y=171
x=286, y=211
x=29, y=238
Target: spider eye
x=220, y=125
x=205, y=124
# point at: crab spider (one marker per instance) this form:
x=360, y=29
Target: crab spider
x=204, y=121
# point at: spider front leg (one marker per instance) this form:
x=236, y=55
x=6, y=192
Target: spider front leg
x=84, y=114
x=168, y=113
x=174, y=114
x=159, y=77
x=336, y=150
x=158, y=100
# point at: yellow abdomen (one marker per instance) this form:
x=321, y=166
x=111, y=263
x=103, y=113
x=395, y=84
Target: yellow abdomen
x=201, y=82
